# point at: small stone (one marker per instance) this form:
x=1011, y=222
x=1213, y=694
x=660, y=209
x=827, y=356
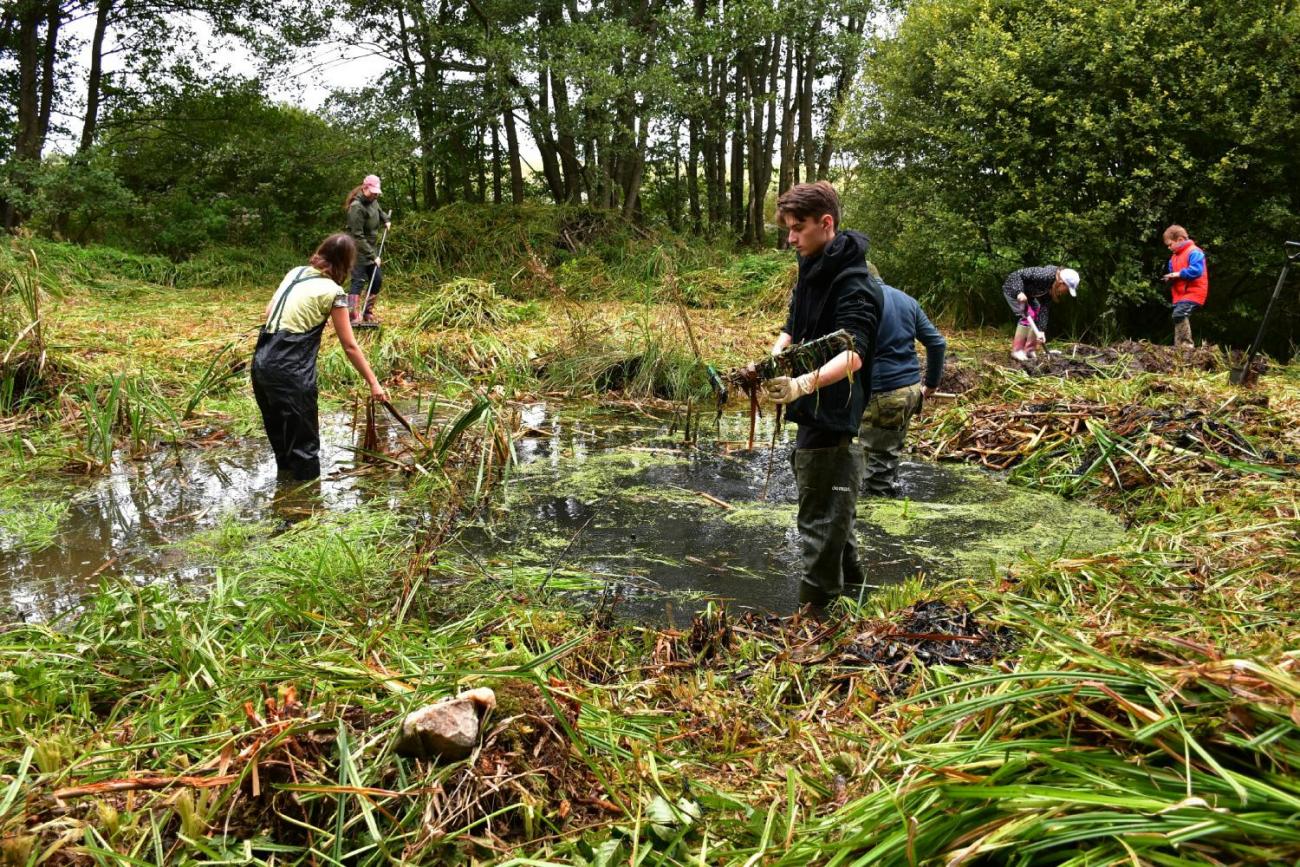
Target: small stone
x=447, y=729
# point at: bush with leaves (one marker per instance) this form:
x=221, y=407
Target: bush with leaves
x=994, y=134
x=222, y=164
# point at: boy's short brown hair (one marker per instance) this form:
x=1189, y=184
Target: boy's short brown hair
x=805, y=201
x=1175, y=233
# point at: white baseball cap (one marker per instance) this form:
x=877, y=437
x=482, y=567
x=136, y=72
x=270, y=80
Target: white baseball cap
x=1070, y=278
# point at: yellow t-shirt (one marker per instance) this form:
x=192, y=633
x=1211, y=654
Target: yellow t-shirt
x=309, y=303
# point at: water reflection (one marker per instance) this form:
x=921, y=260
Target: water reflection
x=129, y=523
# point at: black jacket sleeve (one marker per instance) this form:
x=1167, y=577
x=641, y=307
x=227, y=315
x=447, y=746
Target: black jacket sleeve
x=858, y=312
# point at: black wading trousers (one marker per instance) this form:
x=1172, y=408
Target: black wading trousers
x=828, y=480
x=284, y=383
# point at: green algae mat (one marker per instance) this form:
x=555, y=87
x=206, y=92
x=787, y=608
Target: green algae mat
x=653, y=527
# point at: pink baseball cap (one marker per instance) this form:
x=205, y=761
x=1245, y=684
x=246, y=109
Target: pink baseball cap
x=371, y=184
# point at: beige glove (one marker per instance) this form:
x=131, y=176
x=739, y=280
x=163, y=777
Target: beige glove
x=783, y=389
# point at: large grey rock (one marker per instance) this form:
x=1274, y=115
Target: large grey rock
x=447, y=729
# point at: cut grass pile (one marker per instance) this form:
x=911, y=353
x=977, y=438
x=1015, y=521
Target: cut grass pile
x=465, y=303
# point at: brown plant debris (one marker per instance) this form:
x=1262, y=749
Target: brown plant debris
x=931, y=632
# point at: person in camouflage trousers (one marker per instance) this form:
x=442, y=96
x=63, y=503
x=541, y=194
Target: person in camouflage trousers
x=897, y=390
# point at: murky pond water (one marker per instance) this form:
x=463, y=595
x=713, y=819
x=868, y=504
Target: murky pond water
x=611, y=507
x=133, y=521
x=638, y=514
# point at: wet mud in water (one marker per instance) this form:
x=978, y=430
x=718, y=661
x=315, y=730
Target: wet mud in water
x=627, y=515
x=137, y=521
x=615, y=509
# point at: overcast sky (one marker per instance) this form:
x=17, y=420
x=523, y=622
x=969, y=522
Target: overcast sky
x=305, y=83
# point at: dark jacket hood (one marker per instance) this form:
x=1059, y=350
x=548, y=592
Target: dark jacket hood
x=846, y=249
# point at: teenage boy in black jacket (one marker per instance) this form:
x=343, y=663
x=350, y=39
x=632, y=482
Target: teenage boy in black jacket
x=834, y=291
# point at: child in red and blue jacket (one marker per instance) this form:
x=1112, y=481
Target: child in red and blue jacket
x=1188, y=279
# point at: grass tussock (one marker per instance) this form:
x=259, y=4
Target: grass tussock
x=465, y=303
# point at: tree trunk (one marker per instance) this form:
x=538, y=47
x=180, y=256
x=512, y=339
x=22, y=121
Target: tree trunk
x=53, y=18
x=675, y=200
x=762, y=77
x=540, y=120
x=26, y=145
x=91, y=120
x=512, y=157
x=480, y=160
x=27, y=135
x=848, y=63
x=738, y=158
x=785, y=179
x=636, y=170
x=692, y=176
x=713, y=149
x=565, y=142
x=806, y=113
x=423, y=123
x=496, y=163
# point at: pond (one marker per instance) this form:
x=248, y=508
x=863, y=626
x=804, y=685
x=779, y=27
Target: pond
x=133, y=521
x=627, y=512
x=615, y=507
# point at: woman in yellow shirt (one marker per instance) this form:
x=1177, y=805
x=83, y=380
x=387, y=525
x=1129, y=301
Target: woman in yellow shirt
x=284, y=363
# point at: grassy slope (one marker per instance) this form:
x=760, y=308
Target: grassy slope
x=1148, y=714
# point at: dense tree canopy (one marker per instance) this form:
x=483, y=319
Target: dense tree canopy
x=973, y=136
x=993, y=134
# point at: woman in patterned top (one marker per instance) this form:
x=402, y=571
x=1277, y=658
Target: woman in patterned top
x=284, y=363
x=1030, y=293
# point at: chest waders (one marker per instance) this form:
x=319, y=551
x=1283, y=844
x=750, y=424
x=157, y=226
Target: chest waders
x=284, y=383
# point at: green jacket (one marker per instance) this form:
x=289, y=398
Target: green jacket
x=365, y=219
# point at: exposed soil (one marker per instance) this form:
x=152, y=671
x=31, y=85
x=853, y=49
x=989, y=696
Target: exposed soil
x=931, y=632
x=958, y=378
x=1131, y=357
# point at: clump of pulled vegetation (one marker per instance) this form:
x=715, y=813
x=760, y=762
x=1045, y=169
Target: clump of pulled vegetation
x=1136, y=705
x=465, y=303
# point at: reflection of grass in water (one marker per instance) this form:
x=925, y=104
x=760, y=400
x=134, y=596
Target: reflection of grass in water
x=29, y=523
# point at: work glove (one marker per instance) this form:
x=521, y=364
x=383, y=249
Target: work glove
x=784, y=389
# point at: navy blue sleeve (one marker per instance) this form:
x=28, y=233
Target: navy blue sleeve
x=935, y=348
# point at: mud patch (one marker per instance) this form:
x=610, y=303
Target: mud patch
x=1126, y=359
x=958, y=378
x=931, y=632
